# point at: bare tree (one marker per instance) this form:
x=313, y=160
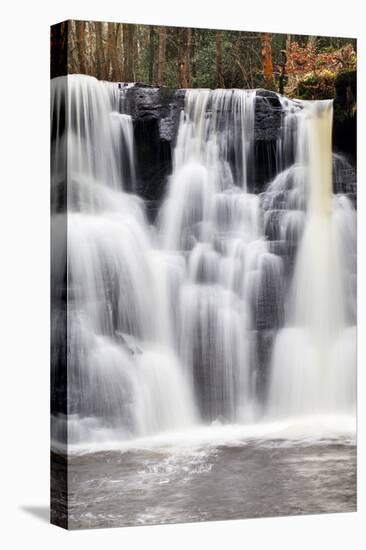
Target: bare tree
x=81, y=45
x=113, y=53
x=151, y=53
x=129, y=48
x=219, y=75
x=99, y=51
x=161, y=56
x=184, y=57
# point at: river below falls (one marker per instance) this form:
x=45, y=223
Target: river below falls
x=162, y=485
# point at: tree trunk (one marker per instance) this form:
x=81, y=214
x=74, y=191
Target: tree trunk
x=80, y=42
x=119, y=54
x=151, y=54
x=193, y=67
x=288, y=43
x=112, y=50
x=184, y=55
x=266, y=54
x=129, y=53
x=219, y=75
x=161, y=56
x=99, y=50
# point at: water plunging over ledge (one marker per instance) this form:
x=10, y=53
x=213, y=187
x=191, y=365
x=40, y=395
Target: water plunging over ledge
x=234, y=310
x=313, y=366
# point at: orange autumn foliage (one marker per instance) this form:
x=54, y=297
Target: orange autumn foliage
x=306, y=64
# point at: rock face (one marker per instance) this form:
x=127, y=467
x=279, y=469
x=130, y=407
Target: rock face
x=267, y=128
x=160, y=104
x=164, y=105
x=156, y=113
x=268, y=116
x=345, y=114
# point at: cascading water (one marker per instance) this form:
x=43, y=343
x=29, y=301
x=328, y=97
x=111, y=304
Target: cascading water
x=124, y=378
x=237, y=308
x=314, y=358
x=214, y=226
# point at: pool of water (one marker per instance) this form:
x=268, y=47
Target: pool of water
x=204, y=482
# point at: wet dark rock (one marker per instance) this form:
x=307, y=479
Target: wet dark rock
x=154, y=162
x=265, y=161
x=156, y=113
x=161, y=104
x=344, y=177
x=268, y=116
x=345, y=114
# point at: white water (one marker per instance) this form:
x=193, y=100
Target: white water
x=314, y=358
x=214, y=226
x=123, y=375
x=166, y=327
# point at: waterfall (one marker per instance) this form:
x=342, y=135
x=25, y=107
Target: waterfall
x=217, y=128
x=124, y=378
x=234, y=307
x=313, y=365
x=214, y=225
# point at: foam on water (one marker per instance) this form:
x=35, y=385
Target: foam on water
x=301, y=431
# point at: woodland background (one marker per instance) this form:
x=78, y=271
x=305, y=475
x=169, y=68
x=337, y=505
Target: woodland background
x=307, y=67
